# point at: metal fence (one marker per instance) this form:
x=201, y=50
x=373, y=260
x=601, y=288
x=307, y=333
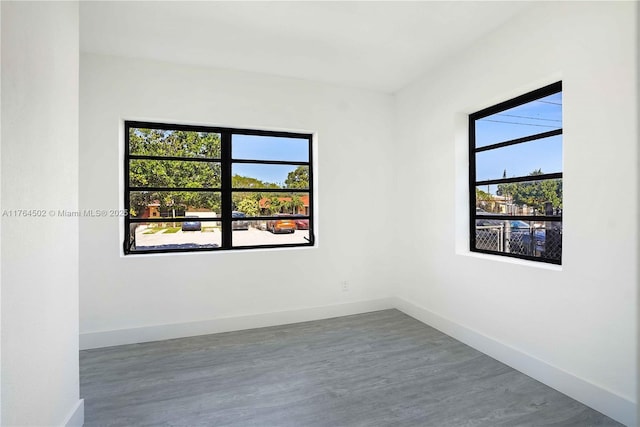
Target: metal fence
x=553, y=244
x=544, y=241
x=490, y=237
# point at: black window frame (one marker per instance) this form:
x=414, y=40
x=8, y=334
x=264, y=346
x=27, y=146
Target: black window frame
x=226, y=189
x=473, y=183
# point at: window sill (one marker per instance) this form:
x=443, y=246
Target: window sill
x=509, y=260
x=201, y=253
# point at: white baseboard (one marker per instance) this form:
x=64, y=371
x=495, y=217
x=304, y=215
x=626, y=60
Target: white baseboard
x=227, y=324
x=76, y=416
x=609, y=403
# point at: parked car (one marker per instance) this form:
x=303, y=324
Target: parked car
x=190, y=224
x=284, y=224
x=516, y=224
x=302, y=223
x=239, y=224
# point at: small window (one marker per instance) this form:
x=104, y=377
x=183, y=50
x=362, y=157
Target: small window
x=197, y=188
x=515, y=177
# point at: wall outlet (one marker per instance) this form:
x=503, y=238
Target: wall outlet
x=344, y=285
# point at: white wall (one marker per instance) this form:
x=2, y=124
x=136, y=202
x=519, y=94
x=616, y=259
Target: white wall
x=353, y=150
x=580, y=318
x=0, y=209
x=39, y=268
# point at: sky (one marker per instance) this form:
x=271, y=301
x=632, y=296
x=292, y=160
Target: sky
x=256, y=147
x=538, y=116
x=534, y=117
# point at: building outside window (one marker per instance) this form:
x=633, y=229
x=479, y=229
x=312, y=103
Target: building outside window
x=515, y=177
x=198, y=188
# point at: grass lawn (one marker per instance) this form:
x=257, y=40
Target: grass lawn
x=155, y=230
x=172, y=230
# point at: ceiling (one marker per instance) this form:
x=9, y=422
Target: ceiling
x=381, y=46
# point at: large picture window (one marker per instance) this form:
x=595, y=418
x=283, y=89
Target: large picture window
x=515, y=177
x=198, y=188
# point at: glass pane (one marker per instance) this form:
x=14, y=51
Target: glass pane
x=287, y=229
x=174, y=204
x=185, y=234
x=532, y=238
x=158, y=142
x=255, y=147
x=266, y=203
x=292, y=225
x=521, y=198
x=270, y=176
x=541, y=115
x=533, y=157
x=173, y=173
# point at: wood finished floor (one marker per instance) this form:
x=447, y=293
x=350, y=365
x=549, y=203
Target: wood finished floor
x=375, y=369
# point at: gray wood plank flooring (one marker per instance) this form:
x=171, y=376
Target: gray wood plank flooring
x=375, y=369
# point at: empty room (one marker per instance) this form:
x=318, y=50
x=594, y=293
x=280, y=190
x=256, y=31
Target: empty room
x=319, y=213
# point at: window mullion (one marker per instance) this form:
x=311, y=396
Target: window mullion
x=527, y=178
x=226, y=203
x=472, y=182
x=518, y=140
x=312, y=236
x=127, y=204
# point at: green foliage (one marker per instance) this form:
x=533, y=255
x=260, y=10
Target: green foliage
x=274, y=205
x=534, y=193
x=283, y=203
x=295, y=203
x=174, y=173
x=483, y=196
x=249, y=205
x=298, y=178
x=157, y=142
x=238, y=181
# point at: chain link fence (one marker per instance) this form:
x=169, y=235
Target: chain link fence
x=553, y=244
x=544, y=241
x=490, y=237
